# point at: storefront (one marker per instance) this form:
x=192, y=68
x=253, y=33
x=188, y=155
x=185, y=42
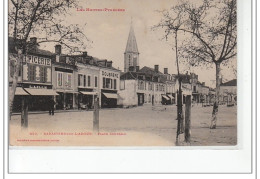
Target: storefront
x=108, y=99
x=39, y=98
x=19, y=95
x=165, y=99
x=86, y=99
x=37, y=82
x=109, y=83
x=172, y=98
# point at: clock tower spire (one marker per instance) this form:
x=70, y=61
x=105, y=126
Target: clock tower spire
x=131, y=55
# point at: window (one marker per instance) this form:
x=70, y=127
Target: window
x=141, y=85
x=84, y=80
x=96, y=81
x=104, y=82
x=129, y=60
x=89, y=81
x=31, y=72
x=59, y=79
x=43, y=74
x=69, y=80
x=107, y=83
x=122, y=84
x=194, y=88
x=114, y=83
x=80, y=80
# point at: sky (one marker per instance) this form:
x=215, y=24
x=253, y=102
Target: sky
x=109, y=32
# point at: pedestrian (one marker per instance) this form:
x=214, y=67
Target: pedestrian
x=51, y=106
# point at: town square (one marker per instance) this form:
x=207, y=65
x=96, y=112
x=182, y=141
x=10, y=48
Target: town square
x=161, y=81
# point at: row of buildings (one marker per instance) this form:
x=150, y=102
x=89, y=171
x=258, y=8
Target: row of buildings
x=74, y=81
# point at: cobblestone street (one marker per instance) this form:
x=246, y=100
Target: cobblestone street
x=140, y=126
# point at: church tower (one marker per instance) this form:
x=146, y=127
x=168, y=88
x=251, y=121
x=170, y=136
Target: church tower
x=131, y=55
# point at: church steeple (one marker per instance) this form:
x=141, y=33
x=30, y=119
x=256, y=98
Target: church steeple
x=131, y=52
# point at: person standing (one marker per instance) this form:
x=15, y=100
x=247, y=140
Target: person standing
x=51, y=106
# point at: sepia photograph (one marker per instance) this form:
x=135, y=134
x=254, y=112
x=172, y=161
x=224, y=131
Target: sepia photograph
x=122, y=73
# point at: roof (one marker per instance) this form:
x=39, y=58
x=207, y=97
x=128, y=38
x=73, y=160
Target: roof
x=41, y=52
x=146, y=73
x=79, y=58
x=185, y=78
x=150, y=71
x=230, y=83
x=31, y=50
x=131, y=45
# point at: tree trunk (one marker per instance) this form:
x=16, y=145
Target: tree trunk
x=14, y=83
x=179, y=113
x=187, y=118
x=24, y=112
x=96, y=115
x=215, y=106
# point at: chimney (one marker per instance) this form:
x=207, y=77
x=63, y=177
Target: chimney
x=165, y=70
x=156, y=68
x=131, y=68
x=137, y=68
x=85, y=54
x=33, y=44
x=203, y=83
x=58, y=49
x=33, y=40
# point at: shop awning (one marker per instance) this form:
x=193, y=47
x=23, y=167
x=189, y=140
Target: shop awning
x=111, y=95
x=20, y=91
x=41, y=92
x=170, y=96
x=165, y=97
x=88, y=93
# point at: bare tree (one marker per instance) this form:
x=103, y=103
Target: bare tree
x=210, y=31
x=27, y=17
x=172, y=22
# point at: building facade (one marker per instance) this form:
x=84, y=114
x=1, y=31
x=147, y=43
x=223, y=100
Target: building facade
x=34, y=79
x=146, y=86
x=228, y=92
x=73, y=81
x=64, y=80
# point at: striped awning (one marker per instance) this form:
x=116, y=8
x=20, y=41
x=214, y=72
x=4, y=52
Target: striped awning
x=165, y=97
x=88, y=92
x=20, y=91
x=111, y=95
x=170, y=96
x=41, y=92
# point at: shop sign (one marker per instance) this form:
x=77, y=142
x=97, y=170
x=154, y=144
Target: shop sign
x=37, y=87
x=37, y=60
x=110, y=74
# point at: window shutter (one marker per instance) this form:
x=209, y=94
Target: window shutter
x=34, y=72
x=30, y=72
x=89, y=81
x=45, y=74
x=78, y=79
x=41, y=74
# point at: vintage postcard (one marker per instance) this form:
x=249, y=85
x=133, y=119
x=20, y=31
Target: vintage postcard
x=122, y=73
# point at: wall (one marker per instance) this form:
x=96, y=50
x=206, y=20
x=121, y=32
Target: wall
x=128, y=95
